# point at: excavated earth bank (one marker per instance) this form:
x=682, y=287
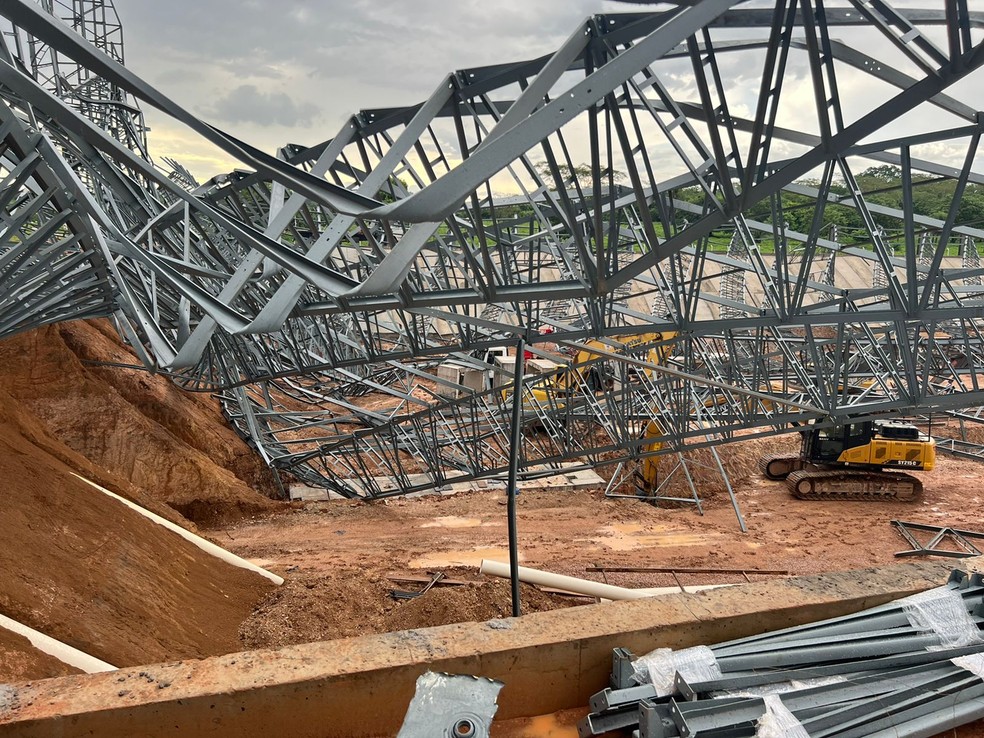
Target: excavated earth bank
x=80, y=566
x=173, y=444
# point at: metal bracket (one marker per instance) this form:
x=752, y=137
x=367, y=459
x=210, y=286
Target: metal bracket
x=622, y=669
x=451, y=706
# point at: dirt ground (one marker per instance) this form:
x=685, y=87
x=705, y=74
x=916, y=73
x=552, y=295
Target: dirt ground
x=345, y=542
x=338, y=555
x=79, y=568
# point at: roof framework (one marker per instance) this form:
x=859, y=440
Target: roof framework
x=684, y=176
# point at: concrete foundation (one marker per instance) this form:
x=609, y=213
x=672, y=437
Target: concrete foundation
x=362, y=686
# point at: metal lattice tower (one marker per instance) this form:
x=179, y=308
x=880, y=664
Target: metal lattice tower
x=104, y=103
x=970, y=259
x=733, y=283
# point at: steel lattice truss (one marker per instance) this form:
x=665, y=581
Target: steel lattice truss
x=699, y=177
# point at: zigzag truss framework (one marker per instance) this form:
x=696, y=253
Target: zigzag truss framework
x=690, y=186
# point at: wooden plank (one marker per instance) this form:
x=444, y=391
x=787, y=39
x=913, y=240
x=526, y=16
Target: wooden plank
x=680, y=570
x=417, y=579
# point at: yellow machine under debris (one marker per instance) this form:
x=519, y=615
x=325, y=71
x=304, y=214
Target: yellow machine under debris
x=847, y=462
x=589, y=370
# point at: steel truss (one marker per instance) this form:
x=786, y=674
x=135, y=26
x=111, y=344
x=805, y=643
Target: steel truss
x=317, y=291
x=92, y=95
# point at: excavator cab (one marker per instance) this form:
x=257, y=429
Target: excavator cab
x=825, y=445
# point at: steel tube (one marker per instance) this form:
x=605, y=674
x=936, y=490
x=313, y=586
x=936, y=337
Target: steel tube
x=512, y=492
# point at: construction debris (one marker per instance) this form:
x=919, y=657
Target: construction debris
x=959, y=538
x=399, y=594
x=913, y=667
x=451, y=706
x=418, y=579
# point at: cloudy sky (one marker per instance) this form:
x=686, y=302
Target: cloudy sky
x=294, y=70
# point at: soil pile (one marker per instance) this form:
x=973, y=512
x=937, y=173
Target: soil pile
x=350, y=603
x=76, y=564
x=739, y=461
x=171, y=443
x=21, y=662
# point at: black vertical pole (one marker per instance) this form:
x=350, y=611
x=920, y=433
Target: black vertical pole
x=514, y=440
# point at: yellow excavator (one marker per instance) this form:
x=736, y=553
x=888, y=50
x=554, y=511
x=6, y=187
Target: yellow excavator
x=848, y=462
x=588, y=369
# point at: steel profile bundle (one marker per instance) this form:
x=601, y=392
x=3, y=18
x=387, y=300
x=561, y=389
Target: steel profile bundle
x=913, y=667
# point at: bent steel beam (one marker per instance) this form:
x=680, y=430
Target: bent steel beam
x=763, y=223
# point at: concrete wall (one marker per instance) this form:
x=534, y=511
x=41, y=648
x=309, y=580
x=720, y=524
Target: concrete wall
x=362, y=686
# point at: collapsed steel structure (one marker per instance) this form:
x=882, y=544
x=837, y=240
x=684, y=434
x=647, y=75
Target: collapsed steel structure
x=638, y=185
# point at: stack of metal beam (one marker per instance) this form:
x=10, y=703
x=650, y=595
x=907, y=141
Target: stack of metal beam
x=911, y=668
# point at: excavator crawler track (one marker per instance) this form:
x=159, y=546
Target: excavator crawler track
x=779, y=466
x=853, y=485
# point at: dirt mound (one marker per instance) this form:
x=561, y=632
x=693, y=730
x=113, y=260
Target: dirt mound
x=969, y=431
x=349, y=603
x=21, y=662
x=315, y=608
x=21, y=428
x=172, y=443
x=738, y=458
x=741, y=458
x=472, y=603
x=83, y=568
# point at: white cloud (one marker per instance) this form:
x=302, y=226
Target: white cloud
x=295, y=71
x=247, y=104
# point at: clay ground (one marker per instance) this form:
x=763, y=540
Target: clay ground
x=67, y=407
x=337, y=555
x=331, y=551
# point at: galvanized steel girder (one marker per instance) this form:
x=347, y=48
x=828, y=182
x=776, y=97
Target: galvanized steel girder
x=355, y=265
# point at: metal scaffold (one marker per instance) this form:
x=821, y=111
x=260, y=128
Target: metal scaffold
x=745, y=251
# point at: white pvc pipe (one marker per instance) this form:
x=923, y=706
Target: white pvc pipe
x=585, y=586
x=204, y=545
x=687, y=589
x=560, y=581
x=61, y=651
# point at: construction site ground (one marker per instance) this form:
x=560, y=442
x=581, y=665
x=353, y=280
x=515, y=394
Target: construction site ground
x=339, y=555
x=75, y=565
